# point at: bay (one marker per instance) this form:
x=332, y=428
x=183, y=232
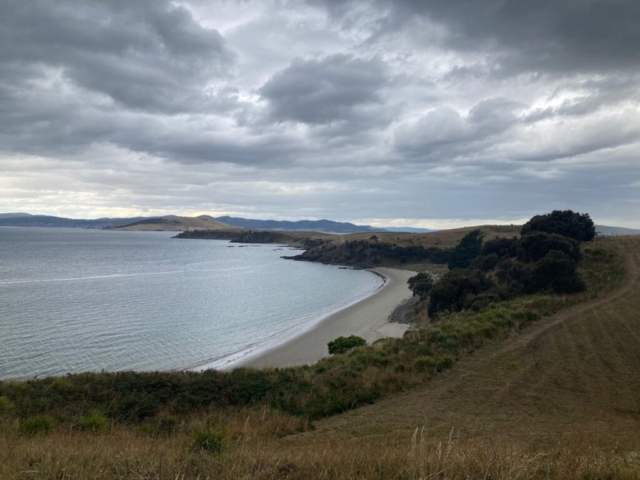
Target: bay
x=75, y=300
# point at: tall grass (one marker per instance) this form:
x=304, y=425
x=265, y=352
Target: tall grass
x=256, y=453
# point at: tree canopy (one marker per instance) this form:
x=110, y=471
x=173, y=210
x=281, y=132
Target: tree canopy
x=574, y=225
x=469, y=248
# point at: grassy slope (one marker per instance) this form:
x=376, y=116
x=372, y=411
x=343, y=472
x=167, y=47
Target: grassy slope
x=571, y=374
x=562, y=396
x=441, y=239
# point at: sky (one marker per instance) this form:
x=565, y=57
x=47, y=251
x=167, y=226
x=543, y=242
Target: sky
x=432, y=113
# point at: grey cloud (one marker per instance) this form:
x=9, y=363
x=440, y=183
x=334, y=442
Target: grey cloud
x=543, y=36
x=443, y=134
x=146, y=55
x=318, y=92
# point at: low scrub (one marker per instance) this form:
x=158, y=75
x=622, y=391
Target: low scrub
x=95, y=422
x=344, y=344
x=37, y=425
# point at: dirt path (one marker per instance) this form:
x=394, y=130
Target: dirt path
x=573, y=373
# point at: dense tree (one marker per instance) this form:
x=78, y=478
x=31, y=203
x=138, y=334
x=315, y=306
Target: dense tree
x=503, y=247
x=421, y=284
x=469, y=248
x=451, y=291
x=578, y=226
x=556, y=271
x=535, y=246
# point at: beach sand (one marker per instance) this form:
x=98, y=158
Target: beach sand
x=369, y=319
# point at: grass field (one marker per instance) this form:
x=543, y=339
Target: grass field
x=558, y=399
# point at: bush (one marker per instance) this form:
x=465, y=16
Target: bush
x=5, y=405
x=558, y=272
x=41, y=424
x=480, y=302
x=421, y=284
x=567, y=223
x=451, y=291
x=95, y=422
x=344, y=344
x=209, y=440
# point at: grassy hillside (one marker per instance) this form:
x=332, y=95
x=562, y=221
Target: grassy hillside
x=175, y=223
x=412, y=251
x=529, y=393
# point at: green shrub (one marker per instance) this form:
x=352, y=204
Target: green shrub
x=344, y=344
x=168, y=423
x=5, y=405
x=209, y=439
x=95, y=422
x=451, y=291
x=41, y=424
x=425, y=364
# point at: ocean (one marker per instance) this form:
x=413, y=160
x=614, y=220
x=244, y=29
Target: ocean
x=74, y=300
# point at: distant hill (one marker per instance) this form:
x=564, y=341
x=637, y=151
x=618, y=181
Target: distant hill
x=603, y=229
x=326, y=226
x=174, y=223
x=27, y=220
x=14, y=215
x=408, y=230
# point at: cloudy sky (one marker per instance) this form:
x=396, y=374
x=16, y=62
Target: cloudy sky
x=430, y=113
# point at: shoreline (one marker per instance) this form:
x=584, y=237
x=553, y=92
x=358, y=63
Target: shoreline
x=367, y=318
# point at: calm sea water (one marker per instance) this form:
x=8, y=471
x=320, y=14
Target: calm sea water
x=76, y=300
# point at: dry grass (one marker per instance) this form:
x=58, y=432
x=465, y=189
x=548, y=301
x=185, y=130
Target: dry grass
x=441, y=239
x=126, y=454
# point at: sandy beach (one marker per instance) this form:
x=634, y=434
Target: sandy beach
x=367, y=319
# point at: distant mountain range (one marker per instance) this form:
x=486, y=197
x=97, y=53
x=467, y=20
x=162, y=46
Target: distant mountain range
x=27, y=220
x=171, y=222
x=326, y=226
x=408, y=229
x=603, y=229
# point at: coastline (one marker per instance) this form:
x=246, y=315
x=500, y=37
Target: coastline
x=368, y=318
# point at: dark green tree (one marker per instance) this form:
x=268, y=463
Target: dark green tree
x=421, y=284
x=578, y=226
x=451, y=291
x=469, y=248
x=557, y=272
x=535, y=246
x=503, y=247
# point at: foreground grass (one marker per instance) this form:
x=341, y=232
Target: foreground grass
x=253, y=451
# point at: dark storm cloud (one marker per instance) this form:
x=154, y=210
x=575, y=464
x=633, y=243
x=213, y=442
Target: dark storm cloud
x=321, y=91
x=543, y=36
x=146, y=55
